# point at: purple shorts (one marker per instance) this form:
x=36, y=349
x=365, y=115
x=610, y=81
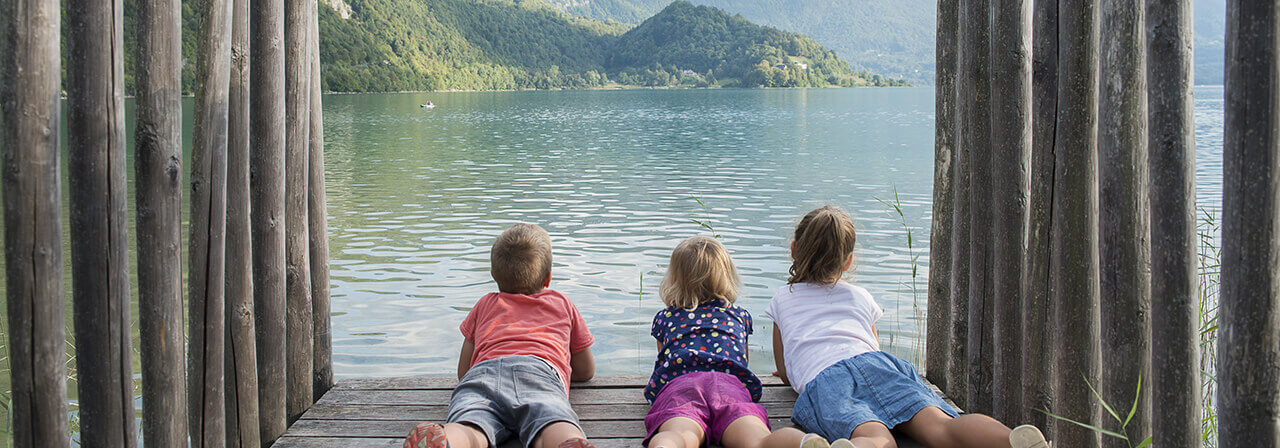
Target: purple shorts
x=712, y=399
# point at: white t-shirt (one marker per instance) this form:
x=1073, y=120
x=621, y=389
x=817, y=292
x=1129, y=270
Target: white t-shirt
x=822, y=325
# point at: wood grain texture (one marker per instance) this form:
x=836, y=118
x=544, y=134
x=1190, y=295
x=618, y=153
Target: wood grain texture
x=1175, y=340
x=298, y=310
x=29, y=104
x=938, y=328
x=98, y=213
x=318, y=225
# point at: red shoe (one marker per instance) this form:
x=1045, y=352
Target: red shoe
x=427, y=435
x=576, y=443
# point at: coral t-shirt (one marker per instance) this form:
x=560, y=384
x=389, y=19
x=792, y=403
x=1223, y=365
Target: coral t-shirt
x=546, y=325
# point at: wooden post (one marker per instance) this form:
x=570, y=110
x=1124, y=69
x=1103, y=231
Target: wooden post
x=1249, y=313
x=99, y=252
x=298, y=328
x=318, y=224
x=267, y=191
x=1124, y=230
x=958, y=369
x=207, y=275
x=29, y=88
x=1011, y=144
x=1175, y=339
x=158, y=162
x=241, y=354
x=975, y=55
x=1075, y=225
x=1037, y=364
x=938, y=343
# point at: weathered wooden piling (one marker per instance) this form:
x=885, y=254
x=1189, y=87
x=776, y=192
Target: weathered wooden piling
x=267, y=189
x=1037, y=364
x=99, y=252
x=318, y=225
x=29, y=88
x=1175, y=341
x=975, y=59
x=938, y=332
x=1124, y=231
x=241, y=368
x=958, y=370
x=158, y=162
x=298, y=311
x=1010, y=187
x=1074, y=260
x=207, y=275
x=1249, y=303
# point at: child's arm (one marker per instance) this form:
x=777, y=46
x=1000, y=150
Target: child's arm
x=779, y=360
x=464, y=358
x=583, y=365
x=875, y=333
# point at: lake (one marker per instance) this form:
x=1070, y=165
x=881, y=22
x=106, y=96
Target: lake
x=417, y=196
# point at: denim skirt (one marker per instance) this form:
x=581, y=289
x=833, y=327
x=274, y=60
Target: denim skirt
x=871, y=387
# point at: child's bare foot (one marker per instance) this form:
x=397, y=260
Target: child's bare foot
x=842, y=443
x=1027, y=436
x=427, y=435
x=576, y=442
x=812, y=440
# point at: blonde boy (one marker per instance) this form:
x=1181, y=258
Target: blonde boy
x=523, y=345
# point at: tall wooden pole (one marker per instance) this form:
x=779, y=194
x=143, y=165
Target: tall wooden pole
x=299, y=326
x=29, y=88
x=938, y=342
x=1125, y=257
x=975, y=54
x=99, y=252
x=318, y=224
x=207, y=275
x=241, y=354
x=1075, y=225
x=958, y=369
x=1037, y=364
x=1011, y=144
x=1175, y=342
x=1249, y=306
x=268, y=215
x=158, y=162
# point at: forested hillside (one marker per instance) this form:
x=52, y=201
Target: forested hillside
x=393, y=45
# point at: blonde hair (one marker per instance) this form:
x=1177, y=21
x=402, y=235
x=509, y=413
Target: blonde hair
x=823, y=241
x=700, y=271
x=521, y=259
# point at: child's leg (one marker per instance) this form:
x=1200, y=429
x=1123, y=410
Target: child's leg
x=936, y=429
x=556, y=433
x=872, y=435
x=465, y=436
x=678, y=432
x=751, y=432
x=452, y=435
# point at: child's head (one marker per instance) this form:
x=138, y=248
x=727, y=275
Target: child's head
x=520, y=261
x=700, y=271
x=822, y=248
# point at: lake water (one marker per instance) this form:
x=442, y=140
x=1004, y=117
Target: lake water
x=417, y=196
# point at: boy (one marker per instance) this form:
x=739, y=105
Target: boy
x=523, y=345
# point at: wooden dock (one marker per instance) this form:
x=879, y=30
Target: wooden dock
x=378, y=412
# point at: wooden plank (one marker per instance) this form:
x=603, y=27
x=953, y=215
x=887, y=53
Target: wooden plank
x=207, y=279
x=241, y=379
x=938, y=327
x=448, y=383
x=1175, y=339
x=158, y=162
x=267, y=194
x=605, y=429
x=1075, y=226
x=975, y=57
x=958, y=373
x=299, y=326
x=1010, y=188
x=439, y=412
x=1124, y=225
x=1249, y=302
x=318, y=225
x=576, y=396
x=1038, y=384
x=29, y=88
x=98, y=212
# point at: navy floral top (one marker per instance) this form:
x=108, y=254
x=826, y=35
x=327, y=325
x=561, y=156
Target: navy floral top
x=709, y=338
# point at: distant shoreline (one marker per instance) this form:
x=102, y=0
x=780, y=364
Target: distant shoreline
x=612, y=87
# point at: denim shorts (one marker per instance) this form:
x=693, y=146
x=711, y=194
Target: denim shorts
x=512, y=395
x=712, y=399
x=871, y=387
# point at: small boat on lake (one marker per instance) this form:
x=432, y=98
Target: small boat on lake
x=428, y=105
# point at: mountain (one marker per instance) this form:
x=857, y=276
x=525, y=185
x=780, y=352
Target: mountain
x=1211, y=31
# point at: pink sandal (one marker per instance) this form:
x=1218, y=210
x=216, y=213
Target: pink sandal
x=427, y=435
